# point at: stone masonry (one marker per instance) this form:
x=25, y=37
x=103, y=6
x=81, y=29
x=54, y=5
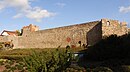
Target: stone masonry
x=86, y=33
x=110, y=27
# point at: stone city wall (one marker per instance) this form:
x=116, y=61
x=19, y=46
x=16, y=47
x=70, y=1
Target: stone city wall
x=62, y=36
x=9, y=38
x=87, y=33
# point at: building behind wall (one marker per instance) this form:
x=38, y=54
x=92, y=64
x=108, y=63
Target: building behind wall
x=86, y=33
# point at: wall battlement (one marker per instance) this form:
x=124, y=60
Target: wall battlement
x=110, y=27
x=86, y=33
x=28, y=29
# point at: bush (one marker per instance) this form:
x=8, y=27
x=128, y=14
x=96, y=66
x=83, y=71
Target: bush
x=102, y=69
x=48, y=61
x=114, y=46
x=12, y=57
x=126, y=68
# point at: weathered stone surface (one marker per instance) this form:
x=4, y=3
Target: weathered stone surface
x=87, y=33
x=52, y=38
x=110, y=27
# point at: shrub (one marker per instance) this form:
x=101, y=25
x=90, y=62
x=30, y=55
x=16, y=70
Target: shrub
x=114, y=46
x=47, y=61
x=12, y=57
x=126, y=68
x=102, y=69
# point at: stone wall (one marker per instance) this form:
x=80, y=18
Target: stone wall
x=94, y=35
x=9, y=38
x=28, y=29
x=3, y=38
x=110, y=27
x=87, y=33
x=62, y=36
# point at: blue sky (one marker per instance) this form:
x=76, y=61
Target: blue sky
x=14, y=14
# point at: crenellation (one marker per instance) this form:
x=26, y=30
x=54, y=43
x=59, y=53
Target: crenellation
x=28, y=29
x=115, y=27
x=123, y=23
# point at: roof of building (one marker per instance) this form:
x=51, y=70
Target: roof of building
x=10, y=33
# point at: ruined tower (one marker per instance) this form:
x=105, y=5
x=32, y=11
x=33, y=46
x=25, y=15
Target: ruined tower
x=110, y=27
x=28, y=29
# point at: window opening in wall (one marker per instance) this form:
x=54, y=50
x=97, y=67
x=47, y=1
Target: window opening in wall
x=79, y=43
x=84, y=46
x=108, y=23
x=120, y=24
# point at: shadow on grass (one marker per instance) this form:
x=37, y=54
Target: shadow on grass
x=112, y=52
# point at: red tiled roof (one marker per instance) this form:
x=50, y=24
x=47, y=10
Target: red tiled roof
x=10, y=32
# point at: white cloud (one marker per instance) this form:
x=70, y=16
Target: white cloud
x=18, y=4
x=60, y=4
x=37, y=13
x=24, y=9
x=18, y=15
x=124, y=9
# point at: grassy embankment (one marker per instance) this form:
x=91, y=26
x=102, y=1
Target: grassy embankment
x=15, y=60
x=19, y=53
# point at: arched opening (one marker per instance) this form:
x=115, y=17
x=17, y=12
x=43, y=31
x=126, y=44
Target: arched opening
x=108, y=23
x=80, y=43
